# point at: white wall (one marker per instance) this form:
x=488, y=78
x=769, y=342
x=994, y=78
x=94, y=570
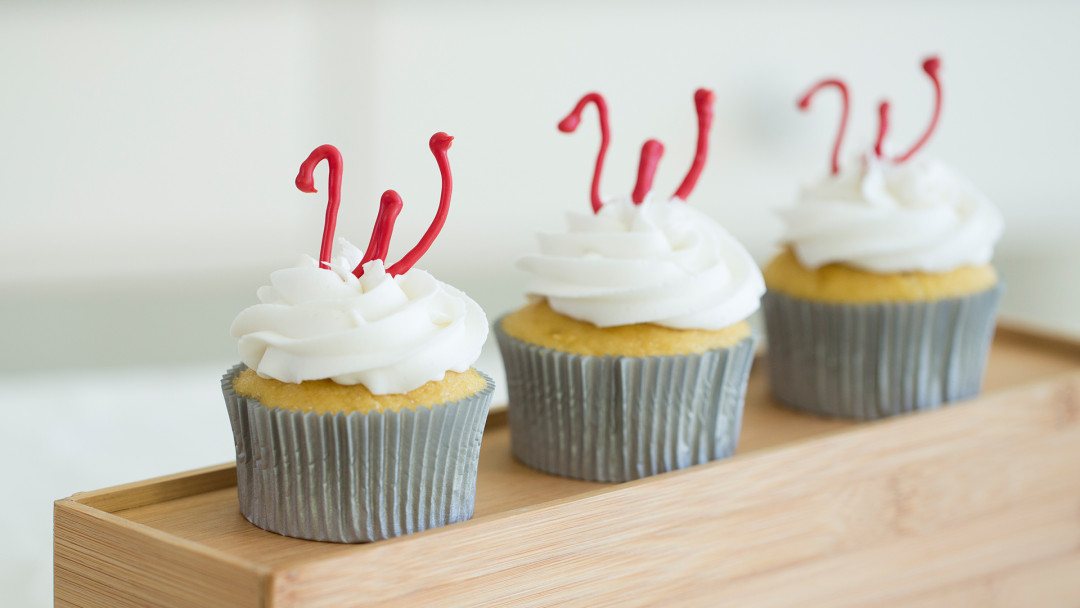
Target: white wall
x=163, y=140
x=147, y=154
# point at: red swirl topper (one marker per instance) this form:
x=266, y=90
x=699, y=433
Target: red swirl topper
x=930, y=66
x=389, y=208
x=650, y=152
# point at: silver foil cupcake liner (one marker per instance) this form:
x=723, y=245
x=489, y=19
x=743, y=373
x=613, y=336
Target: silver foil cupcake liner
x=355, y=477
x=870, y=361
x=615, y=418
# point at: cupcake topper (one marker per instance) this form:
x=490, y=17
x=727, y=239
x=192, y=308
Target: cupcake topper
x=570, y=124
x=804, y=104
x=389, y=207
x=930, y=66
x=703, y=103
x=883, y=127
x=305, y=181
x=439, y=144
x=650, y=152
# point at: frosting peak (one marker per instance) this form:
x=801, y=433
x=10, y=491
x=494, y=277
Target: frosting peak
x=887, y=216
x=660, y=262
x=391, y=334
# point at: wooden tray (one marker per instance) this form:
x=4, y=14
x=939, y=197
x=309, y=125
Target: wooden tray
x=977, y=504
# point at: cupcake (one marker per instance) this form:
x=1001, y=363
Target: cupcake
x=355, y=412
x=883, y=300
x=632, y=356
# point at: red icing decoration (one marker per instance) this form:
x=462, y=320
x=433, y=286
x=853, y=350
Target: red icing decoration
x=883, y=127
x=651, y=152
x=570, y=124
x=389, y=208
x=703, y=103
x=305, y=181
x=931, y=67
x=804, y=103
x=439, y=144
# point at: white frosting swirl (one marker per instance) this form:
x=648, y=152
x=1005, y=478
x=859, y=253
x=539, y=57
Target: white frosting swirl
x=660, y=262
x=886, y=217
x=391, y=334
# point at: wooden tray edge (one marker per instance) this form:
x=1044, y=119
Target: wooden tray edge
x=98, y=555
x=187, y=483
x=178, y=485
x=1013, y=329
x=1053, y=406
x=973, y=436
x=1059, y=388
x=157, y=489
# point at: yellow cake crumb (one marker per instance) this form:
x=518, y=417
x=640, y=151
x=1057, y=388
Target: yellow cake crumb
x=845, y=284
x=326, y=396
x=538, y=324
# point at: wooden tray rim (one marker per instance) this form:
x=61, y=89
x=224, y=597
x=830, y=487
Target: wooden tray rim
x=103, y=504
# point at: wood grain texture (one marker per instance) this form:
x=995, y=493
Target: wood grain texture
x=752, y=530
x=977, y=504
x=101, y=560
x=159, y=490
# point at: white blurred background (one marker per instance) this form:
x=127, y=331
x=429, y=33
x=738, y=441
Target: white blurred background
x=147, y=157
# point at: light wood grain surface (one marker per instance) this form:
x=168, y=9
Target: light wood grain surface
x=976, y=504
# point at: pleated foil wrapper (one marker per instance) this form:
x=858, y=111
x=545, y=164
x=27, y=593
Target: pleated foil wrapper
x=357, y=477
x=616, y=419
x=871, y=361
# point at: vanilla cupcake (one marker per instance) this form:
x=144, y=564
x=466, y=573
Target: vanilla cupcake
x=632, y=357
x=355, y=412
x=883, y=300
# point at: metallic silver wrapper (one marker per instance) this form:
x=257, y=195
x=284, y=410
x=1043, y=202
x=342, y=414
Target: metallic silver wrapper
x=616, y=419
x=352, y=478
x=870, y=361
